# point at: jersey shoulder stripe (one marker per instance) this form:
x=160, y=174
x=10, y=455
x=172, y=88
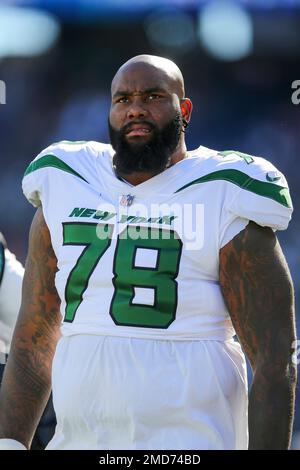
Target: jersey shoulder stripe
x=76, y=158
x=51, y=161
x=266, y=189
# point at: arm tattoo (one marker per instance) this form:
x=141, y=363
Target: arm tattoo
x=27, y=379
x=258, y=291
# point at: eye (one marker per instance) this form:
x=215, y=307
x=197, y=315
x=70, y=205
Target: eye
x=154, y=96
x=122, y=99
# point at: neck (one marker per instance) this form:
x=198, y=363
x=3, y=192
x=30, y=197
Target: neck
x=138, y=177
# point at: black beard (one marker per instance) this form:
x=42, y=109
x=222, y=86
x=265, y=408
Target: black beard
x=153, y=156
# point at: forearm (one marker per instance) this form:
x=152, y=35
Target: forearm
x=24, y=392
x=271, y=410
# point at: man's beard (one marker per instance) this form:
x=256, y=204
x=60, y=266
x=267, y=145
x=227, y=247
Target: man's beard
x=153, y=156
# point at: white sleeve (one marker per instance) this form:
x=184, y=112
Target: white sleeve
x=266, y=203
x=10, y=296
x=73, y=158
x=260, y=195
x=33, y=181
x=232, y=227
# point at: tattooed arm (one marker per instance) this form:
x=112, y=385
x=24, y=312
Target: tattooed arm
x=27, y=379
x=258, y=292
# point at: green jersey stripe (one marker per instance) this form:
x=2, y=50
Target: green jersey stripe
x=51, y=161
x=273, y=191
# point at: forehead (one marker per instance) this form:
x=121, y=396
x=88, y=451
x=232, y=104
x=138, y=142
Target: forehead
x=140, y=77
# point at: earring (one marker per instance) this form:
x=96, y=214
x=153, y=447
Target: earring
x=185, y=123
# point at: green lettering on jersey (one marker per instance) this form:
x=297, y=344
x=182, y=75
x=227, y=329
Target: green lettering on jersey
x=83, y=234
x=103, y=215
x=167, y=219
x=153, y=220
x=88, y=213
x=76, y=212
x=161, y=279
x=128, y=274
x=138, y=220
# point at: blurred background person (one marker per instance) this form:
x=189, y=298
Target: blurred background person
x=11, y=276
x=241, y=62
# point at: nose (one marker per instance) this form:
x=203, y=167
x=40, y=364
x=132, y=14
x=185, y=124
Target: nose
x=137, y=110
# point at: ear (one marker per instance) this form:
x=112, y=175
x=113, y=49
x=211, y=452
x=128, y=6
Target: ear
x=186, y=107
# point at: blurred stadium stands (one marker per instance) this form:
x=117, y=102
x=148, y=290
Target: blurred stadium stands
x=58, y=82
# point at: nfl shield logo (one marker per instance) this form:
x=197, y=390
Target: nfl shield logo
x=126, y=200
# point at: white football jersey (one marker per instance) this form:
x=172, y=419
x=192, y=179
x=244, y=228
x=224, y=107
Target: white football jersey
x=11, y=277
x=143, y=261
x=145, y=323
